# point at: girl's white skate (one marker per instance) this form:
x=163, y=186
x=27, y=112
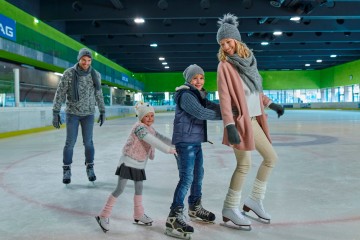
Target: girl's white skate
x=144, y=220
x=237, y=218
x=104, y=223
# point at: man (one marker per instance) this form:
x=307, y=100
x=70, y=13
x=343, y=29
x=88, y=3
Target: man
x=80, y=85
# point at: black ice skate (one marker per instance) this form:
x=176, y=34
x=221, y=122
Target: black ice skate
x=66, y=174
x=176, y=226
x=197, y=212
x=90, y=172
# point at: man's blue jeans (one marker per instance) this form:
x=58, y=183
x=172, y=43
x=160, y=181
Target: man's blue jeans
x=191, y=173
x=72, y=128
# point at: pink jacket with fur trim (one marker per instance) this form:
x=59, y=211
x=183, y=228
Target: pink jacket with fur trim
x=135, y=147
x=232, y=95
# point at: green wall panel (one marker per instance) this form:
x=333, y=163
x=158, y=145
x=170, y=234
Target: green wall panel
x=162, y=82
x=167, y=82
x=290, y=79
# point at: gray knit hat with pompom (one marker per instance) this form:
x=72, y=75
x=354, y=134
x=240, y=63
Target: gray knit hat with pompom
x=228, y=28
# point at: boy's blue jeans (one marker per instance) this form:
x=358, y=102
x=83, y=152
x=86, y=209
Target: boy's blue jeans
x=191, y=173
x=72, y=127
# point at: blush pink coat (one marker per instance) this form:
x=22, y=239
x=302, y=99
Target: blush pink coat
x=232, y=95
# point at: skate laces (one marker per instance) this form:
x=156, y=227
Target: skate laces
x=180, y=217
x=90, y=171
x=201, y=211
x=67, y=173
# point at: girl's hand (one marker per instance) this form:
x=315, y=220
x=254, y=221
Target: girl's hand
x=173, y=151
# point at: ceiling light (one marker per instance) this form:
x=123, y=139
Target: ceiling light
x=264, y=43
x=277, y=33
x=163, y=4
x=161, y=58
x=153, y=45
x=167, y=22
x=117, y=4
x=202, y=22
x=319, y=61
x=139, y=20
x=295, y=19
x=77, y=6
x=166, y=67
x=276, y=3
x=164, y=63
x=333, y=55
x=262, y=20
x=205, y=4
x=95, y=23
x=307, y=65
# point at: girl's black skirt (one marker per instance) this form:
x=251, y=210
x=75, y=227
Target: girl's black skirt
x=131, y=173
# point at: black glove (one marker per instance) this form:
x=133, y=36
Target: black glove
x=277, y=108
x=56, y=120
x=233, y=135
x=101, y=119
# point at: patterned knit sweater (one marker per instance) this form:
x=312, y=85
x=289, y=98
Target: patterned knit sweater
x=88, y=97
x=141, y=144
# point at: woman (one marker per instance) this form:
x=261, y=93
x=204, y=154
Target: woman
x=240, y=88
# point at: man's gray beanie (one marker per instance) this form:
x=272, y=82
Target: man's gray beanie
x=191, y=71
x=228, y=28
x=84, y=52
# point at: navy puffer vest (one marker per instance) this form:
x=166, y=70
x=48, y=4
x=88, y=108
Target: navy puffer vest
x=187, y=128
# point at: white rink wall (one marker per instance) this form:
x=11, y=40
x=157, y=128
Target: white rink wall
x=23, y=118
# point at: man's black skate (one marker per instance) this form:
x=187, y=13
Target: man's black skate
x=176, y=226
x=66, y=174
x=90, y=172
x=196, y=211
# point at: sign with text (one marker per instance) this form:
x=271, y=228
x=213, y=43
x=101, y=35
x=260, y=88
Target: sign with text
x=7, y=28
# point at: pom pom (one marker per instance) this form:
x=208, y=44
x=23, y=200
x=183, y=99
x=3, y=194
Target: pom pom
x=228, y=18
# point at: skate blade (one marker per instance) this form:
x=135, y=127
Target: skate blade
x=237, y=227
x=258, y=219
x=176, y=234
x=199, y=220
x=98, y=221
x=142, y=224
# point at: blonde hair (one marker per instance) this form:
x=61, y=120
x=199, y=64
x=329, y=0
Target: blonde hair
x=241, y=49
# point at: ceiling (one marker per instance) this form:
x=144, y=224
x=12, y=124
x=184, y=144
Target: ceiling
x=185, y=30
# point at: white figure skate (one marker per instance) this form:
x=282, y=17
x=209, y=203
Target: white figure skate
x=237, y=218
x=258, y=208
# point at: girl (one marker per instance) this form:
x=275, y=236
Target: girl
x=138, y=148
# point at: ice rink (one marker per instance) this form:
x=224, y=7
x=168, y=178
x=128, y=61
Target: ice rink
x=313, y=193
